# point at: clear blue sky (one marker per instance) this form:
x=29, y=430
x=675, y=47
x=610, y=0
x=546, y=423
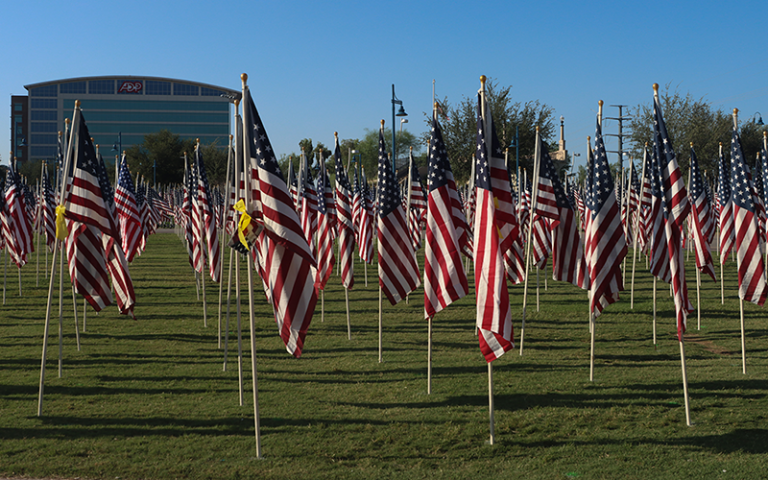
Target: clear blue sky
x=319, y=67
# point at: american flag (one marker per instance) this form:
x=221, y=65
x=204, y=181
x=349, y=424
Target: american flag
x=308, y=202
x=346, y=227
x=49, y=208
x=646, y=201
x=567, y=251
x=325, y=257
x=417, y=204
x=445, y=280
x=659, y=254
x=541, y=241
x=675, y=209
x=727, y=233
x=604, y=244
x=357, y=203
x=127, y=212
x=494, y=320
x=398, y=270
x=191, y=216
x=751, y=270
x=366, y=222
x=85, y=203
x=90, y=217
x=292, y=184
x=18, y=228
x=117, y=266
x=702, y=219
x=291, y=274
x=205, y=206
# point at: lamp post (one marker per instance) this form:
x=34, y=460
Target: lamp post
x=759, y=118
x=400, y=113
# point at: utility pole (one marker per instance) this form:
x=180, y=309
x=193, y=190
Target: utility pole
x=621, y=119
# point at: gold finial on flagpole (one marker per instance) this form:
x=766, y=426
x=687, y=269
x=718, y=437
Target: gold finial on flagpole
x=244, y=78
x=691, y=144
x=77, y=103
x=237, y=103
x=66, y=120
x=735, y=118
x=482, y=81
x=411, y=149
x=336, y=135
x=382, y=123
x=197, y=140
x=231, y=136
x=656, y=87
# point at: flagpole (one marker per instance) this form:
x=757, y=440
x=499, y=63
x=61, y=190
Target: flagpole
x=224, y=220
x=722, y=260
x=60, y=212
x=534, y=194
x=239, y=176
x=244, y=78
x=490, y=401
x=429, y=356
x=380, y=326
x=738, y=263
x=685, y=382
x=349, y=325
x=640, y=197
x=203, y=243
x=625, y=222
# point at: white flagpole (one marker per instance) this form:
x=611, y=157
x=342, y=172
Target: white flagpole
x=534, y=198
x=257, y=422
x=429, y=356
x=224, y=212
x=380, y=327
x=490, y=402
x=240, y=177
x=203, y=242
x=63, y=179
x=638, y=214
x=37, y=227
x=685, y=383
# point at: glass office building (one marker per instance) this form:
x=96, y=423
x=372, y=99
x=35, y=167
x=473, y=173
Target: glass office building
x=125, y=108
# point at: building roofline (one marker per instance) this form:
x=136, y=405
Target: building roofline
x=236, y=94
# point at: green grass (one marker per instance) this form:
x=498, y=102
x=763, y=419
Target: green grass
x=149, y=399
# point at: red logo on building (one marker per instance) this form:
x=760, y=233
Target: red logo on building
x=130, y=87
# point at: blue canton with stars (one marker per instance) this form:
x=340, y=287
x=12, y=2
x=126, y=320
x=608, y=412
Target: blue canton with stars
x=260, y=148
x=548, y=171
x=389, y=194
x=482, y=170
x=741, y=191
x=439, y=166
x=601, y=182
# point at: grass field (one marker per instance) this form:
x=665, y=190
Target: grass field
x=148, y=398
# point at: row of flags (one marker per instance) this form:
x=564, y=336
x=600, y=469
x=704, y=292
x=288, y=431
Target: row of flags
x=292, y=225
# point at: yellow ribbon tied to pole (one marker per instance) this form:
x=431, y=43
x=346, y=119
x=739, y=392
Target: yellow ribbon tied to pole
x=245, y=220
x=61, y=223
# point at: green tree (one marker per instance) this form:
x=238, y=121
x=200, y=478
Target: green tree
x=459, y=124
x=689, y=120
x=369, y=149
x=166, y=150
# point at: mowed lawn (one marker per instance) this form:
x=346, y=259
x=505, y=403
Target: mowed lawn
x=148, y=399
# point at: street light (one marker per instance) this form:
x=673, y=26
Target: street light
x=400, y=113
x=759, y=119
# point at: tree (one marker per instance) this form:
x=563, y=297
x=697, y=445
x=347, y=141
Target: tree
x=694, y=121
x=164, y=149
x=369, y=149
x=459, y=124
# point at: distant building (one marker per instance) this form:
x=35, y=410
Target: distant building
x=121, y=109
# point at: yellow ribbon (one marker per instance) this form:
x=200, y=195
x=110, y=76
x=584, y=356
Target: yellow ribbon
x=245, y=220
x=61, y=223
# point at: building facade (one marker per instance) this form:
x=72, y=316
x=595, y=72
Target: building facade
x=121, y=110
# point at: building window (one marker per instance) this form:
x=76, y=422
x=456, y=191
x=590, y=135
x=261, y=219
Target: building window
x=102, y=87
x=158, y=88
x=73, y=87
x=44, y=138
x=18, y=107
x=43, y=127
x=43, y=103
x=39, y=151
x=184, y=89
x=17, y=118
x=46, y=91
x=210, y=92
x=43, y=115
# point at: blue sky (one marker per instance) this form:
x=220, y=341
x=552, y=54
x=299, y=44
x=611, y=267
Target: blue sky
x=316, y=67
